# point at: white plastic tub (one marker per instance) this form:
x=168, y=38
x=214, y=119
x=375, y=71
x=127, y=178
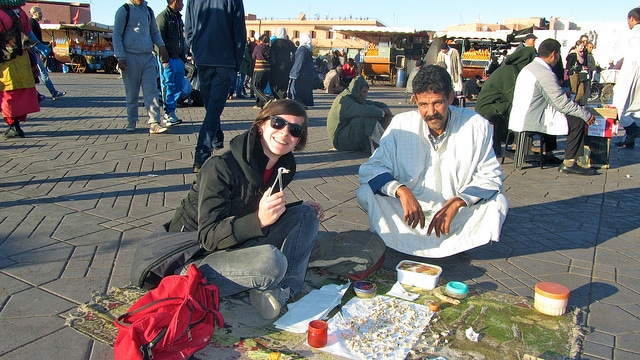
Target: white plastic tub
x=551, y=298
x=418, y=274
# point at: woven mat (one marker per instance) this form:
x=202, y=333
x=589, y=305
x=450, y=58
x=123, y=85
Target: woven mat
x=509, y=326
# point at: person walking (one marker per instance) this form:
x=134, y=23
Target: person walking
x=281, y=57
x=171, y=29
x=18, y=96
x=626, y=97
x=36, y=16
x=261, y=71
x=302, y=72
x=134, y=34
x=216, y=61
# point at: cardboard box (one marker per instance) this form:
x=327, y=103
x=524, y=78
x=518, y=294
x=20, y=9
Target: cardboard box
x=597, y=150
x=606, y=124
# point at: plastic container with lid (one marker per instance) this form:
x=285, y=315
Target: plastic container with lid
x=551, y=298
x=418, y=274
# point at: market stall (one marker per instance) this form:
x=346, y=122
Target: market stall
x=388, y=49
x=476, y=49
x=84, y=47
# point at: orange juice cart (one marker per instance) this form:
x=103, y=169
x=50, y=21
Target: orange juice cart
x=388, y=50
x=82, y=48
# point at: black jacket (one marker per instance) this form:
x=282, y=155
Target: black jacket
x=171, y=30
x=227, y=192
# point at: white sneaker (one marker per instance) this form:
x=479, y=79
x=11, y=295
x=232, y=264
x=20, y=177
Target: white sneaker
x=269, y=302
x=156, y=129
x=171, y=119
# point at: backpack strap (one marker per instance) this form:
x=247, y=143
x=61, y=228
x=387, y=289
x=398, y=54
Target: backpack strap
x=127, y=8
x=13, y=34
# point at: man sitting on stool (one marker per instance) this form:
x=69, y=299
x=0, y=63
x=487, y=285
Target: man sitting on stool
x=540, y=105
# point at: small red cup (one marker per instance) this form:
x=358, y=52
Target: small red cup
x=317, y=335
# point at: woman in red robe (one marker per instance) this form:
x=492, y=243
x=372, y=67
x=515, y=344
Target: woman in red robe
x=18, y=96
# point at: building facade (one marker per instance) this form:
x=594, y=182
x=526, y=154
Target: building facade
x=60, y=12
x=324, y=40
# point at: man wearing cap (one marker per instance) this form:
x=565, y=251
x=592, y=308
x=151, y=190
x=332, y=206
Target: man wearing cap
x=412, y=74
x=451, y=58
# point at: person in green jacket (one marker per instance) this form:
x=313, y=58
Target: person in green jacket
x=353, y=119
x=495, y=99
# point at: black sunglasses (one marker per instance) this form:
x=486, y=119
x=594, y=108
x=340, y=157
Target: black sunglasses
x=279, y=123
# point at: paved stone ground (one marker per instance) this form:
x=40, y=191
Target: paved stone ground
x=79, y=191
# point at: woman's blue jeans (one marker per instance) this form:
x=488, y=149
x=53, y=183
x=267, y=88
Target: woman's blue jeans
x=278, y=259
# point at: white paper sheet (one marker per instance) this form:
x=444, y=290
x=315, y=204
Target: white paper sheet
x=363, y=309
x=315, y=305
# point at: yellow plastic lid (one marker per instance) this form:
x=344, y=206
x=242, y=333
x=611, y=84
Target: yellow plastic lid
x=552, y=290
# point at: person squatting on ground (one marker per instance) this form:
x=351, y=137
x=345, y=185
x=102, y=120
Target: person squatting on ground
x=217, y=41
x=171, y=29
x=36, y=15
x=626, y=96
x=256, y=241
x=540, y=105
x=355, y=123
x=134, y=34
x=433, y=187
x=18, y=96
x=281, y=58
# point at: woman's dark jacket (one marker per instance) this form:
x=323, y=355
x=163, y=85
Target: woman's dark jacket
x=573, y=65
x=227, y=192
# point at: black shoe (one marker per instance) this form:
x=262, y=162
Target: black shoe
x=552, y=160
x=575, y=169
x=627, y=143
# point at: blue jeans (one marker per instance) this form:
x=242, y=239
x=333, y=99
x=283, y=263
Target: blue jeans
x=215, y=83
x=278, y=259
x=44, y=76
x=240, y=85
x=171, y=78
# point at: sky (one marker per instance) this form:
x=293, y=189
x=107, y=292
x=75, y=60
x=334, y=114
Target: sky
x=421, y=15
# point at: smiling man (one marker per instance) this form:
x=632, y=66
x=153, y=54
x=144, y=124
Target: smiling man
x=433, y=187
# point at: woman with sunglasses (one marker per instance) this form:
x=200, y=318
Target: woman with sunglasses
x=254, y=240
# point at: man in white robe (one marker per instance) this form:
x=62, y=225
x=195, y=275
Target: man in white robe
x=433, y=187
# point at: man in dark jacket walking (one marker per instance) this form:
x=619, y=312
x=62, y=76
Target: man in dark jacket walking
x=171, y=30
x=215, y=32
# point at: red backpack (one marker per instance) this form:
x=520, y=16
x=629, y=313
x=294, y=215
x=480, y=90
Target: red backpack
x=172, y=321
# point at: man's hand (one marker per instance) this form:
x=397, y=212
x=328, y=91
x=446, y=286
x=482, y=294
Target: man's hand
x=442, y=220
x=591, y=120
x=271, y=207
x=413, y=214
x=122, y=64
x=164, y=55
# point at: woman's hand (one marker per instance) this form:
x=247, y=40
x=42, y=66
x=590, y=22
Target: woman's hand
x=271, y=207
x=319, y=209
